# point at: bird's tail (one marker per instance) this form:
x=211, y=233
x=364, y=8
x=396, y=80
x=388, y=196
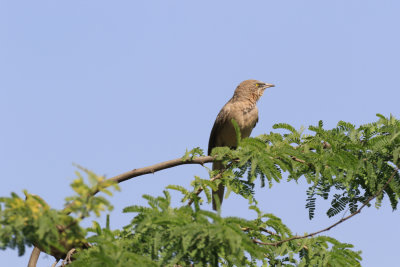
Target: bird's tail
x=221, y=188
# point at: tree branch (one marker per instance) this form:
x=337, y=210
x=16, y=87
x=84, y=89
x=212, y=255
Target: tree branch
x=34, y=257
x=160, y=166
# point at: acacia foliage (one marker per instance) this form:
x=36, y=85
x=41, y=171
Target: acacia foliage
x=347, y=165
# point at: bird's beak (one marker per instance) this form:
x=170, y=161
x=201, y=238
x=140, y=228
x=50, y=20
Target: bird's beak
x=268, y=85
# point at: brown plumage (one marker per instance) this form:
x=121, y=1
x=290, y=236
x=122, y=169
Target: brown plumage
x=241, y=107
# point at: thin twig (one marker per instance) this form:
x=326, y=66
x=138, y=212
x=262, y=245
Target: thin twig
x=261, y=229
x=297, y=159
x=216, y=177
x=267, y=231
x=338, y=222
x=67, y=259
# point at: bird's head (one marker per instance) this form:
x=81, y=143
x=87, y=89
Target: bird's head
x=251, y=89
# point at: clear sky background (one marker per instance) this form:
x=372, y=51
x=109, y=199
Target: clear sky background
x=118, y=85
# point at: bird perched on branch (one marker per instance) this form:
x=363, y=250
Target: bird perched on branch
x=242, y=108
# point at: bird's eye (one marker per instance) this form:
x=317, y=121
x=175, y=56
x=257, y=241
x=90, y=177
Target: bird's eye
x=257, y=84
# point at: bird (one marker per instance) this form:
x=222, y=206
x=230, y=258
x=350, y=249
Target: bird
x=242, y=108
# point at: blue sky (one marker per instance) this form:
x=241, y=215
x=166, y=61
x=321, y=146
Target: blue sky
x=118, y=85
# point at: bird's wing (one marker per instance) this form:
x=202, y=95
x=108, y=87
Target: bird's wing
x=255, y=123
x=219, y=123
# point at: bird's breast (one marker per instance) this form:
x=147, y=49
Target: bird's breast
x=246, y=117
